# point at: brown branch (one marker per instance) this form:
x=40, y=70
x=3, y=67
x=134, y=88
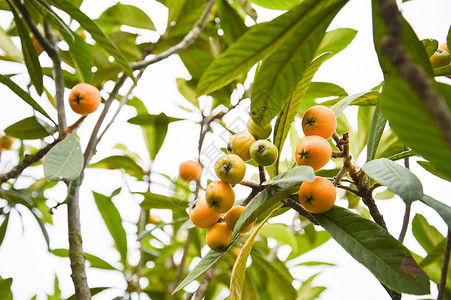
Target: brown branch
x=391, y=46
x=338, y=154
x=445, y=265
x=252, y=185
x=249, y=198
x=29, y=160
x=405, y=222
x=261, y=174
x=185, y=43
x=205, y=281
x=289, y=202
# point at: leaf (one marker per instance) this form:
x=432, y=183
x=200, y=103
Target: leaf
x=44, y=8
x=121, y=162
x=281, y=233
x=288, y=114
x=7, y=45
x=94, y=291
x=239, y=268
x=397, y=178
x=426, y=235
x=207, y=261
x=232, y=23
x=430, y=45
x=256, y=44
x=121, y=14
x=280, y=5
x=30, y=128
x=3, y=228
x=279, y=74
x=441, y=208
x=336, y=40
x=24, y=95
x=80, y=53
x=5, y=289
x=339, y=107
x=29, y=52
x=433, y=170
x=64, y=160
x=292, y=177
x=96, y=33
x=375, y=134
x=113, y=222
x=152, y=200
x=95, y=261
x=436, y=253
x=376, y=249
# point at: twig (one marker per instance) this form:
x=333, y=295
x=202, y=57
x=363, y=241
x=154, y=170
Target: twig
x=391, y=46
x=338, y=154
x=185, y=43
x=252, y=184
x=289, y=202
x=182, y=261
x=249, y=198
x=29, y=160
x=444, y=272
x=205, y=281
x=261, y=173
x=405, y=222
x=349, y=189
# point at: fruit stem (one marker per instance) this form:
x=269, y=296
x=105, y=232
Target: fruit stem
x=290, y=202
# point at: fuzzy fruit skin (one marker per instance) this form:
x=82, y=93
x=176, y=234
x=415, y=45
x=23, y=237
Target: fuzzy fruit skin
x=259, y=132
x=319, y=120
x=6, y=142
x=240, y=144
x=232, y=217
x=201, y=215
x=440, y=58
x=219, y=196
x=264, y=153
x=190, y=170
x=317, y=196
x=230, y=168
x=84, y=98
x=219, y=237
x=313, y=151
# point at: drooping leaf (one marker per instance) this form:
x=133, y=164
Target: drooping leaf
x=441, y=208
x=81, y=56
x=30, y=128
x=279, y=74
x=44, y=8
x=152, y=200
x=7, y=45
x=113, y=222
x=397, y=178
x=256, y=44
x=121, y=162
x=375, y=134
x=239, y=268
x=24, y=95
x=336, y=40
x=122, y=14
x=3, y=228
x=64, y=160
x=433, y=170
x=376, y=249
x=96, y=32
x=426, y=235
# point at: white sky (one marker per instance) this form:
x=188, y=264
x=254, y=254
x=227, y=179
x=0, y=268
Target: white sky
x=23, y=255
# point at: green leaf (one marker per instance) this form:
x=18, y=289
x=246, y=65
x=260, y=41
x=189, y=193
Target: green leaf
x=292, y=177
x=375, y=134
x=256, y=44
x=280, y=73
x=80, y=53
x=152, y=200
x=336, y=40
x=5, y=289
x=64, y=160
x=239, y=268
x=426, y=235
x=121, y=14
x=288, y=114
x=95, y=261
x=3, y=228
x=29, y=53
x=433, y=170
x=430, y=45
x=30, y=128
x=397, y=178
x=7, y=45
x=113, y=222
x=436, y=253
x=96, y=32
x=281, y=233
x=376, y=249
x=441, y=208
x=231, y=22
x=280, y=5
x=207, y=261
x=339, y=107
x=121, y=162
x=24, y=95
x=44, y=8
x=443, y=71
x=94, y=291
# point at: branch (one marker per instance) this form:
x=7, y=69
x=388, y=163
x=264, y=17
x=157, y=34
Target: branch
x=261, y=173
x=252, y=185
x=405, y=222
x=249, y=198
x=289, y=202
x=185, y=43
x=444, y=272
x=205, y=281
x=391, y=46
x=29, y=160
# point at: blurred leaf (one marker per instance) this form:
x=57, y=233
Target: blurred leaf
x=121, y=14
x=281, y=233
x=309, y=292
x=29, y=52
x=280, y=5
x=64, y=160
x=338, y=107
x=121, y=162
x=280, y=73
x=433, y=170
x=5, y=289
x=96, y=33
x=231, y=22
x=152, y=200
x=441, y=208
x=30, y=128
x=425, y=234
x=24, y=95
x=443, y=71
x=256, y=44
x=286, y=117
x=81, y=56
x=7, y=45
x=306, y=243
x=182, y=16
x=95, y=261
x=375, y=133
x=43, y=229
x=430, y=45
x=94, y=291
x=3, y=228
x=44, y=8
x=389, y=145
x=113, y=222
x=239, y=268
x=336, y=40
x=376, y=249
x=436, y=253
x=187, y=91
